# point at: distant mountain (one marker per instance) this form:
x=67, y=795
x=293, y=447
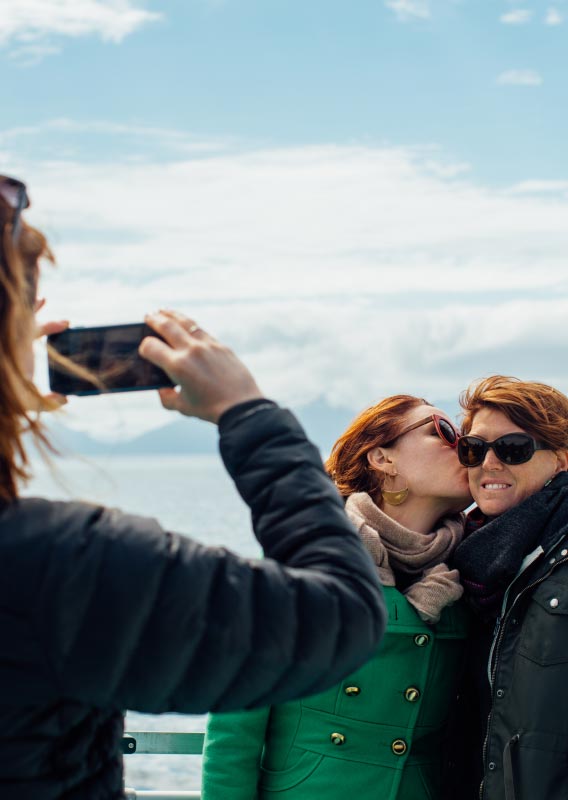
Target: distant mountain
x=192, y=436
x=189, y=436
x=323, y=424
x=184, y=436
x=68, y=440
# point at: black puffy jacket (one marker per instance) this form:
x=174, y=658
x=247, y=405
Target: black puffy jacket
x=101, y=611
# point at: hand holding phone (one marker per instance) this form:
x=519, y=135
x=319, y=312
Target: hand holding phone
x=210, y=376
x=104, y=359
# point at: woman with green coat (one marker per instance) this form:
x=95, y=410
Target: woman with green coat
x=380, y=733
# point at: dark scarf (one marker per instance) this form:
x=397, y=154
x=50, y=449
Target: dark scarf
x=493, y=549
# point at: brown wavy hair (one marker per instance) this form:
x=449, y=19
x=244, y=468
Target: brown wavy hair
x=537, y=408
x=377, y=426
x=18, y=288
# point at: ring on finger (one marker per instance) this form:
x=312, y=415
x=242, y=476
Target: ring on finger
x=194, y=328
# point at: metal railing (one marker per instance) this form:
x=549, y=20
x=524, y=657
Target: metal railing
x=162, y=743
x=132, y=794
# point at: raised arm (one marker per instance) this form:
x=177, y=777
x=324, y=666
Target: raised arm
x=153, y=621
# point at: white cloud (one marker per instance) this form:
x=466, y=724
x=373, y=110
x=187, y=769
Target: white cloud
x=520, y=77
x=145, y=137
x=339, y=272
x=25, y=25
x=446, y=170
x=553, y=17
x=517, y=16
x=407, y=10
x=31, y=54
x=541, y=187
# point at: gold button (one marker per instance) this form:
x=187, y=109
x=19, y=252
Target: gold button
x=421, y=639
x=399, y=747
x=352, y=691
x=337, y=738
x=412, y=694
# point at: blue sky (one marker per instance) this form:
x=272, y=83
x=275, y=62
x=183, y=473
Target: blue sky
x=361, y=197
x=292, y=72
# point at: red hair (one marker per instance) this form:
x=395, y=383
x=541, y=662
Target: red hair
x=377, y=426
x=18, y=285
x=537, y=408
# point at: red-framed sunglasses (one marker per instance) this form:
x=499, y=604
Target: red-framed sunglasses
x=444, y=428
x=15, y=195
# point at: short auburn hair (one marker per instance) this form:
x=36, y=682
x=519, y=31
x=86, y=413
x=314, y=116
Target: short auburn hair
x=537, y=408
x=19, y=267
x=377, y=426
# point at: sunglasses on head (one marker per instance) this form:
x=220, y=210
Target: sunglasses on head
x=444, y=428
x=15, y=195
x=512, y=449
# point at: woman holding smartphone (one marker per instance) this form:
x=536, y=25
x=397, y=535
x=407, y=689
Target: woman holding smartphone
x=380, y=732
x=102, y=611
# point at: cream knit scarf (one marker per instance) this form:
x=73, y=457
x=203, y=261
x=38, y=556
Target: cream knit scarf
x=421, y=556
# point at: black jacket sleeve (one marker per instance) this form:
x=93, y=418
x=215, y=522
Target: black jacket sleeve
x=134, y=617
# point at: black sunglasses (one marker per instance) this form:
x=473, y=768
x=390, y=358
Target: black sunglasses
x=513, y=449
x=444, y=428
x=15, y=195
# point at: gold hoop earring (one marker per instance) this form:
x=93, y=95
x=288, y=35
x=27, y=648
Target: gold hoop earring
x=394, y=497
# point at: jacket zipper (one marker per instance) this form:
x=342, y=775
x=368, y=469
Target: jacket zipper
x=529, y=561
x=494, y=653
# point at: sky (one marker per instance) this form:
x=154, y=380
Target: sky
x=360, y=198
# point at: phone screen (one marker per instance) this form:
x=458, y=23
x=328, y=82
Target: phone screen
x=110, y=354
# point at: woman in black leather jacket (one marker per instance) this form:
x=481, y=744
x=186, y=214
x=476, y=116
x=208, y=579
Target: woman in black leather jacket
x=514, y=567
x=101, y=611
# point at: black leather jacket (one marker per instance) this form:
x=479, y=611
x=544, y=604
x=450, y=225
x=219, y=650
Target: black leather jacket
x=516, y=748
x=102, y=611
x=526, y=747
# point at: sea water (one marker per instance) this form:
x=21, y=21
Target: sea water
x=192, y=495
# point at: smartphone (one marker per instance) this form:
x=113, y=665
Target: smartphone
x=106, y=360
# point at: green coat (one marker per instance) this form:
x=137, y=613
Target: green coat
x=378, y=734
